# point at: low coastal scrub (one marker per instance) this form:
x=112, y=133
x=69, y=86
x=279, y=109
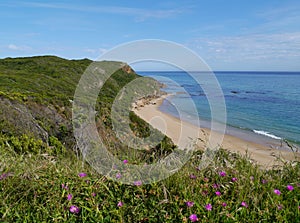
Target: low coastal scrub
x=37, y=186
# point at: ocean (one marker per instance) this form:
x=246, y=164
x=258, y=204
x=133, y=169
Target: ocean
x=263, y=107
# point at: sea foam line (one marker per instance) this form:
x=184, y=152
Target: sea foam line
x=266, y=134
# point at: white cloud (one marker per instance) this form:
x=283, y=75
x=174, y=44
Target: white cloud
x=138, y=13
x=18, y=48
x=255, y=49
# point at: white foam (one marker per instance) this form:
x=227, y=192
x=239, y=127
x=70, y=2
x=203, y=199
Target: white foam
x=266, y=134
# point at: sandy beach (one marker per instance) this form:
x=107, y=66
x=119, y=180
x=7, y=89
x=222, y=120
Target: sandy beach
x=182, y=133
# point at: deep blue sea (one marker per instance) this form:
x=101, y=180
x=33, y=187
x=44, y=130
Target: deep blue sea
x=261, y=103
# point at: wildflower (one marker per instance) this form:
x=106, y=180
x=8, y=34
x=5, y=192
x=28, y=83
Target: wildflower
x=205, y=179
x=215, y=186
x=279, y=207
x=290, y=187
x=208, y=207
x=70, y=196
x=82, y=175
x=218, y=193
x=189, y=204
x=192, y=176
x=74, y=209
x=264, y=181
x=222, y=174
x=224, y=204
x=244, y=204
x=125, y=161
x=120, y=204
x=204, y=193
x=299, y=207
x=276, y=191
x=251, y=178
x=118, y=175
x=193, y=218
x=233, y=179
x=5, y=175
x=137, y=183
x=94, y=194
x=63, y=186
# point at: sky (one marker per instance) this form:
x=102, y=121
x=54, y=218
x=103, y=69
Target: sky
x=228, y=35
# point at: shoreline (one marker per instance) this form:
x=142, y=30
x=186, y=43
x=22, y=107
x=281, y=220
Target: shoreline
x=264, y=155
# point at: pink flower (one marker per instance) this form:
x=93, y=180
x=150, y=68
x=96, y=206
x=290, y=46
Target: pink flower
x=244, y=204
x=82, y=175
x=192, y=176
x=263, y=181
x=64, y=187
x=74, y=209
x=279, y=207
x=222, y=174
x=290, y=187
x=205, y=179
x=193, y=218
x=299, y=207
x=120, y=204
x=233, y=179
x=125, y=161
x=215, y=186
x=276, y=191
x=137, y=183
x=118, y=175
x=94, y=194
x=70, y=196
x=224, y=204
x=189, y=204
x=208, y=207
x=218, y=193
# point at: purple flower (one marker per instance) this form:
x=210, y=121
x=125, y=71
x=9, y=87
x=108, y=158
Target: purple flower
x=299, y=207
x=244, y=204
x=276, y=191
x=189, y=204
x=215, y=186
x=218, y=193
x=205, y=179
x=137, y=183
x=94, y=194
x=63, y=186
x=290, y=187
x=208, y=207
x=192, y=176
x=118, y=175
x=5, y=175
x=263, y=181
x=74, y=209
x=120, y=204
x=222, y=174
x=70, y=196
x=82, y=175
x=125, y=161
x=193, y=218
x=224, y=204
x=233, y=179
x=279, y=207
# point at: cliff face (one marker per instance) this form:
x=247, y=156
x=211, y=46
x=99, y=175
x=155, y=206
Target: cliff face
x=36, y=95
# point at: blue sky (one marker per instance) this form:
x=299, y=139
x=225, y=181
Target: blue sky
x=228, y=35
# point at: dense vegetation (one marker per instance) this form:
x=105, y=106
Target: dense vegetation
x=43, y=177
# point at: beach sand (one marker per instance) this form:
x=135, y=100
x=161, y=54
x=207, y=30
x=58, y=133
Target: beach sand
x=182, y=133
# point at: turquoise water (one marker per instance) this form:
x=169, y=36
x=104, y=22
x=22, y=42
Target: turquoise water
x=263, y=103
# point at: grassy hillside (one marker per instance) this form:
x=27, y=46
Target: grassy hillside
x=44, y=179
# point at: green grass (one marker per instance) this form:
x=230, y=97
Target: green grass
x=32, y=191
